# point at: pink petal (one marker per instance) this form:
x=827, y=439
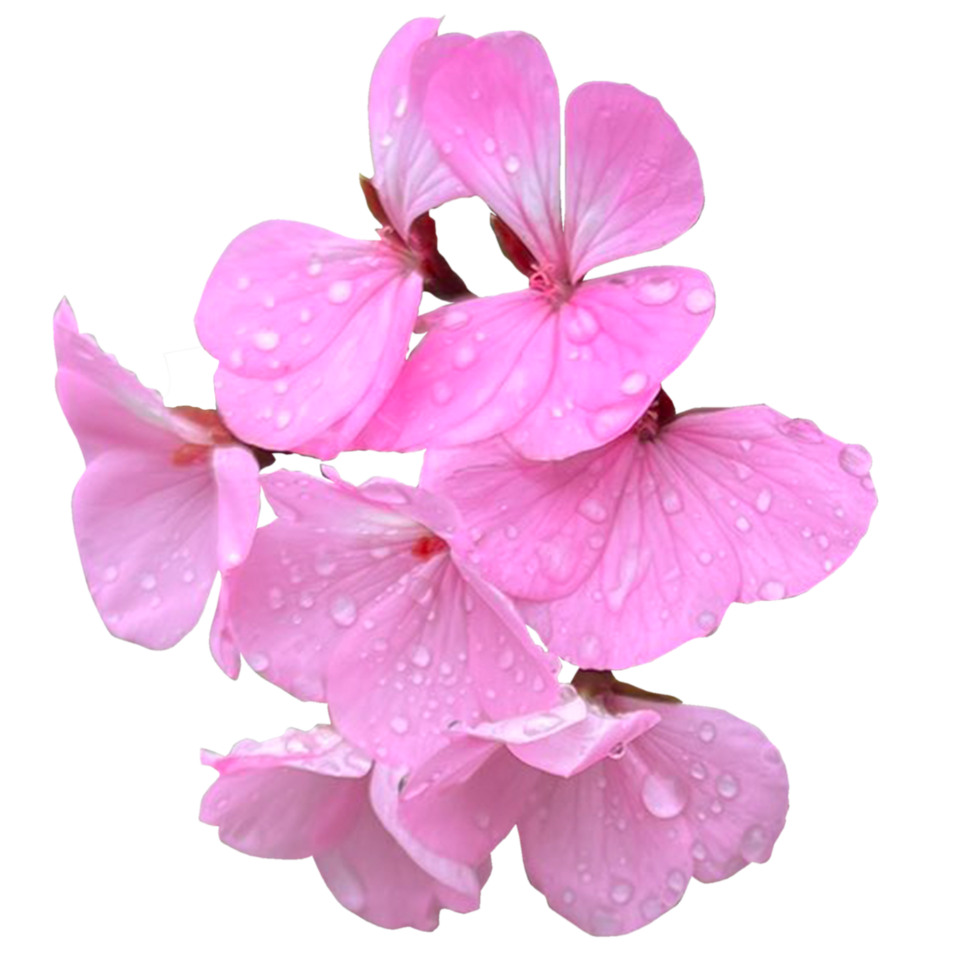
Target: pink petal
x=409, y=175
x=344, y=595
x=459, y=875
x=106, y=406
x=552, y=380
x=493, y=112
x=147, y=536
x=371, y=875
x=288, y=797
x=236, y=473
x=641, y=546
x=224, y=647
x=602, y=860
x=310, y=329
x=632, y=181
x=722, y=778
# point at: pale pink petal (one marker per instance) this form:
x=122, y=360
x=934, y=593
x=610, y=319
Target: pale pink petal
x=552, y=380
x=236, y=474
x=371, y=875
x=409, y=175
x=147, y=535
x=310, y=329
x=461, y=875
x=600, y=857
x=642, y=545
x=106, y=406
x=288, y=797
x=722, y=778
x=345, y=598
x=224, y=647
x=632, y=181
x=493, y=112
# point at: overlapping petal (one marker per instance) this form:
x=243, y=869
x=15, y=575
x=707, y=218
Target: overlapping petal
x=347, y=597
x=552, y=379
x=408, y=173
x=641, y=545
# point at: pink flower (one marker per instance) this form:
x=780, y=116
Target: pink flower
x=311, y=794
x=356, y=596
x=168, y=498
x=624, y=552
x=567, y=364
x=311, y=327
x=620, y=798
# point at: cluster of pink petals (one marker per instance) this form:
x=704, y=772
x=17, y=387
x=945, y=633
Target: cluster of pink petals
x=168, y=499
x=561, y=490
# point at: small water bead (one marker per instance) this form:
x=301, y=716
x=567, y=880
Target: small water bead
x=698, y=771
x=581, y=326
x=465, y=355
x=489, y=145
x=671, y=501
x=189, y=575
x=568, y=896
x=276, y=599
x=283, y=418
x=699, y=301
x=399, y=725
x=591, y=509
x=705, y=557
x=258, y=662
x=243, y=283
x=657, y=292
x=746, y=444
x=698, y=851
x=855, y=460
x=621, y=892
x=441, y=393
x=110, y=574
x=512, y=164
x=402, y=106
x=633, y=383
x=315, y=266
x=755, y=844
x=386, y=140
x=339, y=291
x=617, y=751
x=707, y=732
x=802, y=430
x=664, y=796
x=148, y=582
x=236, y=358
x=343, y=611
x=707, y=621
x=677, y=881
x=727, y=786
x=421, y=657
x=764, y=500
x=266, y=339
x=742, y=523
x=772, y=590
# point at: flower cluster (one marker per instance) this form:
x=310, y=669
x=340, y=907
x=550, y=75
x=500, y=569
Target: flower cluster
x=561, y=490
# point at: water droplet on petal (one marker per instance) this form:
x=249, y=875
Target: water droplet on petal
x=441, y=393
x=339, y=291
x=742, y=523
x=803, y=430
x=343, y=610
x=764, y=500
x=855, y=460
x=633, y=383
x=657, y=292
x=727, y=786
x=399, y=725
x=664, y=796
x=512, y=164
x=772, y=590
x=706, y=732
x=541, y=724
x=110, y=574
x=755, y=844
x=671, y=501
x=699, y=301
x=266, y=339
x=621, y=892
x=148, y=582
x=489, y=145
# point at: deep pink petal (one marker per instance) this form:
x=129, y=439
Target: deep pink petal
x=409, y=174
x=236, y=474
x=106, y=406
x=632, y=181
x=289, y=797
x=493, y=112
x=147, y=536
x=344, y=597
x=552, y=380
x=372, y=875
x=602, y=860
x=642, y=545
x=720, y=776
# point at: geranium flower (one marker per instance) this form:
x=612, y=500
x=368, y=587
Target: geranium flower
x=565, y=365
x=168, y=497
x=624, y=552
x=356, y=596
x=617, y=808
x=311, y=794
x=311, y=327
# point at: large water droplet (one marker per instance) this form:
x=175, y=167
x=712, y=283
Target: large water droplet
x=664, y=796
x=755, y=844
x=855, y=460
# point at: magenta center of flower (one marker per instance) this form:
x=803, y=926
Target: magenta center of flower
x=659, y=414
x=428, y=546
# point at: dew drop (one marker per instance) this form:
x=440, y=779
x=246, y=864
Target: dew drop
x=489, y=145
x=707, y=621
x=339, y=291
x=727, y=786
x=657, y=292
x=621, y=892
x=706, y=732
x=110, y=574
x=399, y=725
x=283, y=418
x=699, y=301
x=465, y=355
x=512, y=164
x=772, y=590
x=855, y=460
x=591, y=509
x=148, y=582
x=742, y=523
x=802, y=430
x=755, y=844
x=266, y=339
x=343, y=611
x=664, y=796
x=441, y=393
x=541, y=724
x=633, y=383
x=764, y=501
x=671, y=501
